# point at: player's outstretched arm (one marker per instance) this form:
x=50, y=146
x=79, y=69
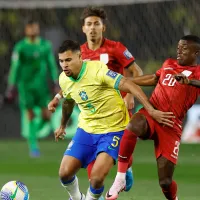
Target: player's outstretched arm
x=127, y=85
x=181, y=78
x=146, y=80
x=131, y=71
x=195, y=83
x=54, y=102
x=67, y=109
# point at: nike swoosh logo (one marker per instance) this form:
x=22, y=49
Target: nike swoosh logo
x=15, y=193
x=109, y=147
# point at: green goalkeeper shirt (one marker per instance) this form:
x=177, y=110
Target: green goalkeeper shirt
x=31, y=63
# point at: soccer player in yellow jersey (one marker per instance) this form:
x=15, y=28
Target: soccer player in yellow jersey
x=102, y=120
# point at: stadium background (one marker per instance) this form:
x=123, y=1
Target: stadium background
x=150, y=29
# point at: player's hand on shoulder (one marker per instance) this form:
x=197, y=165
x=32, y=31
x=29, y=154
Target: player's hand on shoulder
x=163, y=117
x=181, y=78
x=129, y=101
x=59, y=133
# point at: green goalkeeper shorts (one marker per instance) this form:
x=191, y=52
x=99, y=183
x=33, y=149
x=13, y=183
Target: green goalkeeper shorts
x=29, y=98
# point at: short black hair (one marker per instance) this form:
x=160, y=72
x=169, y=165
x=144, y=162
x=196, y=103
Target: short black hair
x=31, y=22
x=69, y=45
x=192, y=38
x=93, y=11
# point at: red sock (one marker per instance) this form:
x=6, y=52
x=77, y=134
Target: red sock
x=126, y=149
x=170, y=192
x=89, y=168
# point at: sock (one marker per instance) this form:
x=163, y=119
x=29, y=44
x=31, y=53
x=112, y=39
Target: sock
x=89, y=168
x=93, y=194
x=72, y=188
x=126, y=149
x=32, y=137
x=170, y=192
x=130, y=162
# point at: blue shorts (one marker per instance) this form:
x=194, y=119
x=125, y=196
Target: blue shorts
x=85, y=146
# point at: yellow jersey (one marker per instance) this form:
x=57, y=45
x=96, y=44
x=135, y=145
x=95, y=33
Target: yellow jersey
x=96, y=93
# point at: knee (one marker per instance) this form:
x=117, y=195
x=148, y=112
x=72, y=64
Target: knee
x=138, y=125
x=64, y=174
x=165, y=183
x=97, y=181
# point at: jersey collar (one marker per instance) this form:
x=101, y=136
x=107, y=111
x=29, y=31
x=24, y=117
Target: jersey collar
x=81, y=73
x=37, y=40
x=102, y=43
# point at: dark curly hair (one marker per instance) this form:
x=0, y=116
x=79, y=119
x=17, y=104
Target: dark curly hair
x=93, y=11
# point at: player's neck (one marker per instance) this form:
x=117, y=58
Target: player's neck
x=94, y=45
x=76, y=75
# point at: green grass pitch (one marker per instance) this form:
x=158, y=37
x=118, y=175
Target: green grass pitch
x=41, y=175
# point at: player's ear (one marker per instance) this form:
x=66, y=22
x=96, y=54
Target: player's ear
x=83, y=29
x=104, y=28
x=80, y=56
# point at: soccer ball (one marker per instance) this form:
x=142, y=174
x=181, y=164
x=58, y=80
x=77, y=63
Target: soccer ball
x=14, y=190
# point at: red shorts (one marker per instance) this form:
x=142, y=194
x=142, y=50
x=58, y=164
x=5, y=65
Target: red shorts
x=166, y=139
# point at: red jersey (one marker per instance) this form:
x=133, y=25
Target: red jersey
x=171, y=96
x=114, y=54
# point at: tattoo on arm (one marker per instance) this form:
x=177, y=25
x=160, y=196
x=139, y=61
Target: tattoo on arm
x=67, y=109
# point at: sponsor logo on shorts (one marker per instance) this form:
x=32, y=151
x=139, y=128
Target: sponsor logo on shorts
x=70, y=145
x=109, y=147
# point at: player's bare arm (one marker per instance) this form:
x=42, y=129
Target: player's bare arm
x=127, y=85
x=181, y=78
x=55, y=101
x=195, y=83
x=131, y=71
x=146, y=80
x=67, y=109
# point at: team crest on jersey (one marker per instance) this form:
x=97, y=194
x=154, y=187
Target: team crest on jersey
x=186, y=73
x=104, y=58
x=111, y=74
x=83, y=95
x=127, y=54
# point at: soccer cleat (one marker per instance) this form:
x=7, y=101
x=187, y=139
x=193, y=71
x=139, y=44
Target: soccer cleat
x=176, y=198
x=129, y=179
x=82, y=197
x=117, y=187
x=35, y=153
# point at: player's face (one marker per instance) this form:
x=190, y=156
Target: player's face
x=186, y=53
x=93, y=28
x=70, y=63
x=32, y=30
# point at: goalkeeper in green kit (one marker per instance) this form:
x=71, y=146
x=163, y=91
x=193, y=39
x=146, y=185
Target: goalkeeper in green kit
x=32, y=60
